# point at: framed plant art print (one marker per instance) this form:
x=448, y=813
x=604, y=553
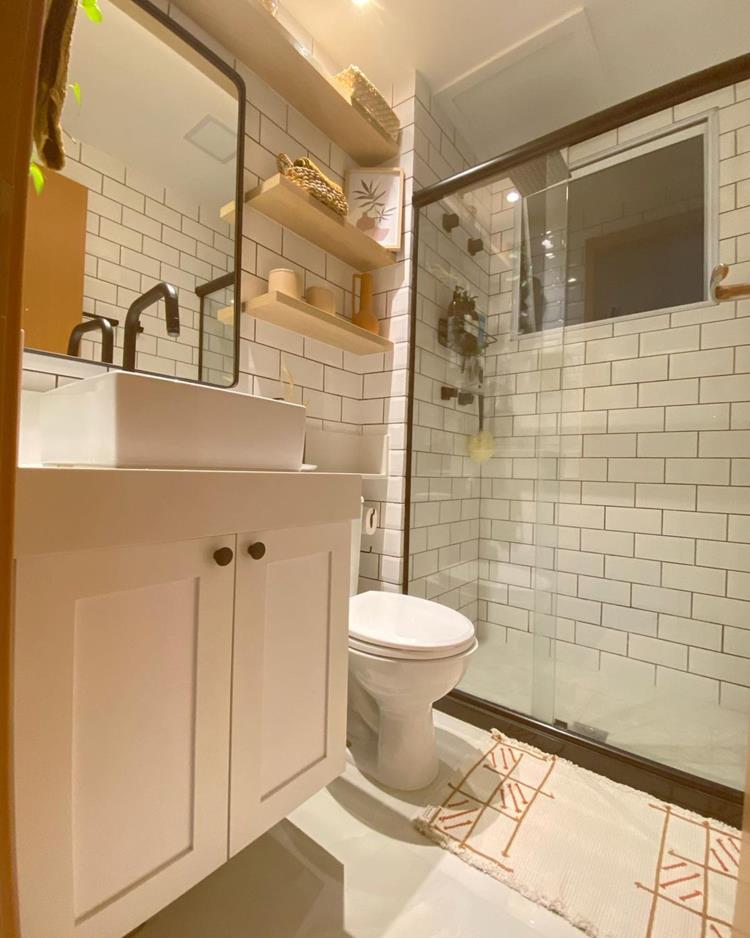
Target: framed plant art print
x=376, y=204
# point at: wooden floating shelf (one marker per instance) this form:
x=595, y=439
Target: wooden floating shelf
x=307, y=320
x=260, y=41
x=290, y=205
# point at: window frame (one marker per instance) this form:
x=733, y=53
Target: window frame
x=705, y=124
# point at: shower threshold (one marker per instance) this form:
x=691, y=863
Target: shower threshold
x=706, y=797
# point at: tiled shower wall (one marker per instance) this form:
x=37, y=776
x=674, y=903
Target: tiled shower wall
x=645, y=421
x=445, y=483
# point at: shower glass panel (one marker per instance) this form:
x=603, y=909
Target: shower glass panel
x=520, y=484
x=580, y=465
x=484, y=486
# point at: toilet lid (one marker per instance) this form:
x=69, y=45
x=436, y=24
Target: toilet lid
x=408, y=624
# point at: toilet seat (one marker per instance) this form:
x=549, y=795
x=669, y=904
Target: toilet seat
x=393, y=625
x=401, y=654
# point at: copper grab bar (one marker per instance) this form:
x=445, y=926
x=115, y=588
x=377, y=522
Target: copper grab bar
x=734, y=291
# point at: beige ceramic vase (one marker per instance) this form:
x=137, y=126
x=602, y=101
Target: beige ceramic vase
x=364, y=317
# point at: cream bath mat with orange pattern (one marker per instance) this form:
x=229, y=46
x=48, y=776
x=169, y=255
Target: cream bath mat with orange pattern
x=615, y=862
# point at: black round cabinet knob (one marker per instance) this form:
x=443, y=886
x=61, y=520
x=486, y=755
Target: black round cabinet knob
x=224, y=556
x=257, y=550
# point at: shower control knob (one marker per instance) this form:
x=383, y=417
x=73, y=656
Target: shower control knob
x=257, y=550
x=224, y=556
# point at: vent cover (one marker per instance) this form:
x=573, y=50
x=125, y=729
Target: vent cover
x=213, y=138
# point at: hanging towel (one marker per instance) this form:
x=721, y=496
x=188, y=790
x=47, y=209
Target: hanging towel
x=53, y=82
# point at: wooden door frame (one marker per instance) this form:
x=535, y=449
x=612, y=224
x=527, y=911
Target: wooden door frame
x=21, y=28
x=741, y=927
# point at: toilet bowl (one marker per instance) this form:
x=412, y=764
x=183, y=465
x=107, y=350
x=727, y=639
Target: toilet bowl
x=404, y=654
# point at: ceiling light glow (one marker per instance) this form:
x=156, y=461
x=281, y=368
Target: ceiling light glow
x=360, y=3
x=512, y=196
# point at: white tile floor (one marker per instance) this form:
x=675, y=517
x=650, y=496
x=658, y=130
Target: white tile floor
x=349, y=864
x=693, y=735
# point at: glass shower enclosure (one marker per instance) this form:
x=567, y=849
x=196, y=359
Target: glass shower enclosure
x=579, y=480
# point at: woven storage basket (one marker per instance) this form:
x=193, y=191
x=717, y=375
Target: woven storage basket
x=365, y=93
x=312, y=179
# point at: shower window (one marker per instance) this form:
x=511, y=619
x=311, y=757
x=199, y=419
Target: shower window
x=639, y=233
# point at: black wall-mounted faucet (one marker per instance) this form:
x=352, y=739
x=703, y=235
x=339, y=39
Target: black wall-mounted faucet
x=162, y=291
x=92, y=325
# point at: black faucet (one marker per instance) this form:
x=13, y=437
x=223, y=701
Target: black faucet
x=162, y=291
x=91, y=325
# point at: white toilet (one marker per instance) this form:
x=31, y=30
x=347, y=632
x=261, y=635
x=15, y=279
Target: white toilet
x=404, y=654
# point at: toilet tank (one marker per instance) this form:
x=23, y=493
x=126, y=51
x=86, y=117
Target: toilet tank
x=355, y=549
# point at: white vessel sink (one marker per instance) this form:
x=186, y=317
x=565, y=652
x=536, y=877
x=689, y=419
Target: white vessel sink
x=134, y=421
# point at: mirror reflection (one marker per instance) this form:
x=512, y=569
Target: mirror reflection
x=128, y=258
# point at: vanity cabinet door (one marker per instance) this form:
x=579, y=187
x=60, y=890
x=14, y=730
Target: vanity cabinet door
x=122, y=716
x=289, y=672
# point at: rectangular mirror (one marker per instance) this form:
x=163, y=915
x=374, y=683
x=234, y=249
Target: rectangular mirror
x=129, y=234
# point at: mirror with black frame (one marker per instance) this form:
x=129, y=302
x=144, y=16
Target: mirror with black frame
x=129, y=259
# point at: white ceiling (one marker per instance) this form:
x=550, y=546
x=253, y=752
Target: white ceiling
x=139, y=98
x=510, y=70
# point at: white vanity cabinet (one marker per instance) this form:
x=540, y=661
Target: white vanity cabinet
x=175, y=696
x=290, y=667
x=122, y=689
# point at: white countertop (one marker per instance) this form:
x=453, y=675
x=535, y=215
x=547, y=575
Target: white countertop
x=60, y=509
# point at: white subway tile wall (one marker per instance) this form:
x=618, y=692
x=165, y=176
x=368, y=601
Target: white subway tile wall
x=443, y=490
x=445, y=483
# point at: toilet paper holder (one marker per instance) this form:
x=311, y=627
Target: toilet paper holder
x=369, y=520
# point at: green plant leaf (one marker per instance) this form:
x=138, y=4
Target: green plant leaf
x=76, y=89
x=37, y=177
x=92, y=9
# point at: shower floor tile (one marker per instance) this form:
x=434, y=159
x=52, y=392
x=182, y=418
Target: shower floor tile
x=692, y=735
